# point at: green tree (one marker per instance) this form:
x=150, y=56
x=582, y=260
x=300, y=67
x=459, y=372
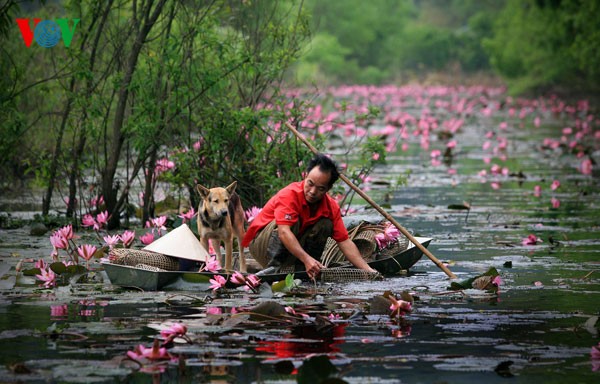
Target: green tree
x=540, y=44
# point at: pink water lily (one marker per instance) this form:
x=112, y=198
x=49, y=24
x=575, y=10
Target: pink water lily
x=555, y=203
x=211, y=265
x=217, y=282
x=86, y=251
x=214, y=311
x=252, y=213
x=58, y=241
x=111, y=241
x=41, y=264
x=127, y=238
x=188, y=216
x=252, y=282
x=389, y=235
x=147, y=238
x=67, y=232
x=101, y=220
x=399, y=307
x=48, y=276
x=531, y=240
x=555, y=184
x=175, y=330
x=237, y=278
x=586, y=167
x=153, y=353
x=88, y=220
x=537, y=191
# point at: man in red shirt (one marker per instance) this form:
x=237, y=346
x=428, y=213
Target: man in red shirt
x=294, y=225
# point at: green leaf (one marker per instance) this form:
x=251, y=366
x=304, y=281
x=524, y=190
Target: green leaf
x=58, y=267
x=289, y=281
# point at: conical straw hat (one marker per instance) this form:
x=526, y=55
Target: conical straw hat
x=180, y=242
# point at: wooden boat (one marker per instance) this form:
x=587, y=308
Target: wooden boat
x=150, y=280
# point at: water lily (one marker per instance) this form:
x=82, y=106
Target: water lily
x=399, y=307
x=497, y=281
x=147, y=238
x=88, y=220
x=127, y=238
x=586, y=166
x=237, y=278
x=188, y=216
x=389, y=235
x=96, y=201
x=159, y=223
x=212, y=265
x=66, y=232
x=58, y=241
x=537, y=191
x=48, y=277
x=555, y=184
x=555, y=203
x=217, y=282
x=214, y=311
x=175, y=330
x=531, y=240
x=101, y=220
x=111, y=241
x=86, y=251
x=41, y=264
x=153, y=353
x=252, y=213
x=252, y=282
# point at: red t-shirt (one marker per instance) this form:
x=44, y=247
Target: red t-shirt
x=289, y=205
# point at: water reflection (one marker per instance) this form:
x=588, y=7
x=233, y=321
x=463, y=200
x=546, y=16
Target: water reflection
x=304, y=340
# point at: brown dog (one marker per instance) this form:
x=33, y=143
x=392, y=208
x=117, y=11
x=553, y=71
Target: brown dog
x=220, y=216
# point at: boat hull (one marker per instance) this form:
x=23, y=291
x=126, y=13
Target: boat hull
x=128, y=276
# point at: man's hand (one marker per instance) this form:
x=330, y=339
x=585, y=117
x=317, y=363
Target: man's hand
x=289, y=240
x=313, y=267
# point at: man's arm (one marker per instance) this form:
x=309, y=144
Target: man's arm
x=289, y=240
x=353, y=255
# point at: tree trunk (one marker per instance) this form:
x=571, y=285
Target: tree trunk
x=109, y=187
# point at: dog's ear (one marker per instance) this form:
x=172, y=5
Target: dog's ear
x=202, y=191
x=231, y=187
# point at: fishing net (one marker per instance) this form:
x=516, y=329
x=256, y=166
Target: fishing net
x=134, y=257
x=341, y=275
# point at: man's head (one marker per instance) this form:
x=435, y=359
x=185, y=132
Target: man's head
x=321, y=174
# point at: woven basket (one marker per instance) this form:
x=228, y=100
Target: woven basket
x=133, y=257
x=363, y=235
x=393, y=248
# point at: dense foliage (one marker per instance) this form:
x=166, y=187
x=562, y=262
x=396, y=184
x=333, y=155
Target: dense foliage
x=532, y=44
x=147, y=85
x=144, y=83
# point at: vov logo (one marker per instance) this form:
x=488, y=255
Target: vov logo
x=47, y=33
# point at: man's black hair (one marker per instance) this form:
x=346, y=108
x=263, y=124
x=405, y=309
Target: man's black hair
x=325, y=164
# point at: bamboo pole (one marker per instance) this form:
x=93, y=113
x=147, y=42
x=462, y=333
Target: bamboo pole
x=379, y=209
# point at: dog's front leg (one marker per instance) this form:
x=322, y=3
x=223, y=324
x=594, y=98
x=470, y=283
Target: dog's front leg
x=242, y=257
x=204, y=243
x=229, y=254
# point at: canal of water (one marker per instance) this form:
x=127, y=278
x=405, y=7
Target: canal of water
x=541, y=325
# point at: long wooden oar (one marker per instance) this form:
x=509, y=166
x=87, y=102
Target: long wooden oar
x=379, y=209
